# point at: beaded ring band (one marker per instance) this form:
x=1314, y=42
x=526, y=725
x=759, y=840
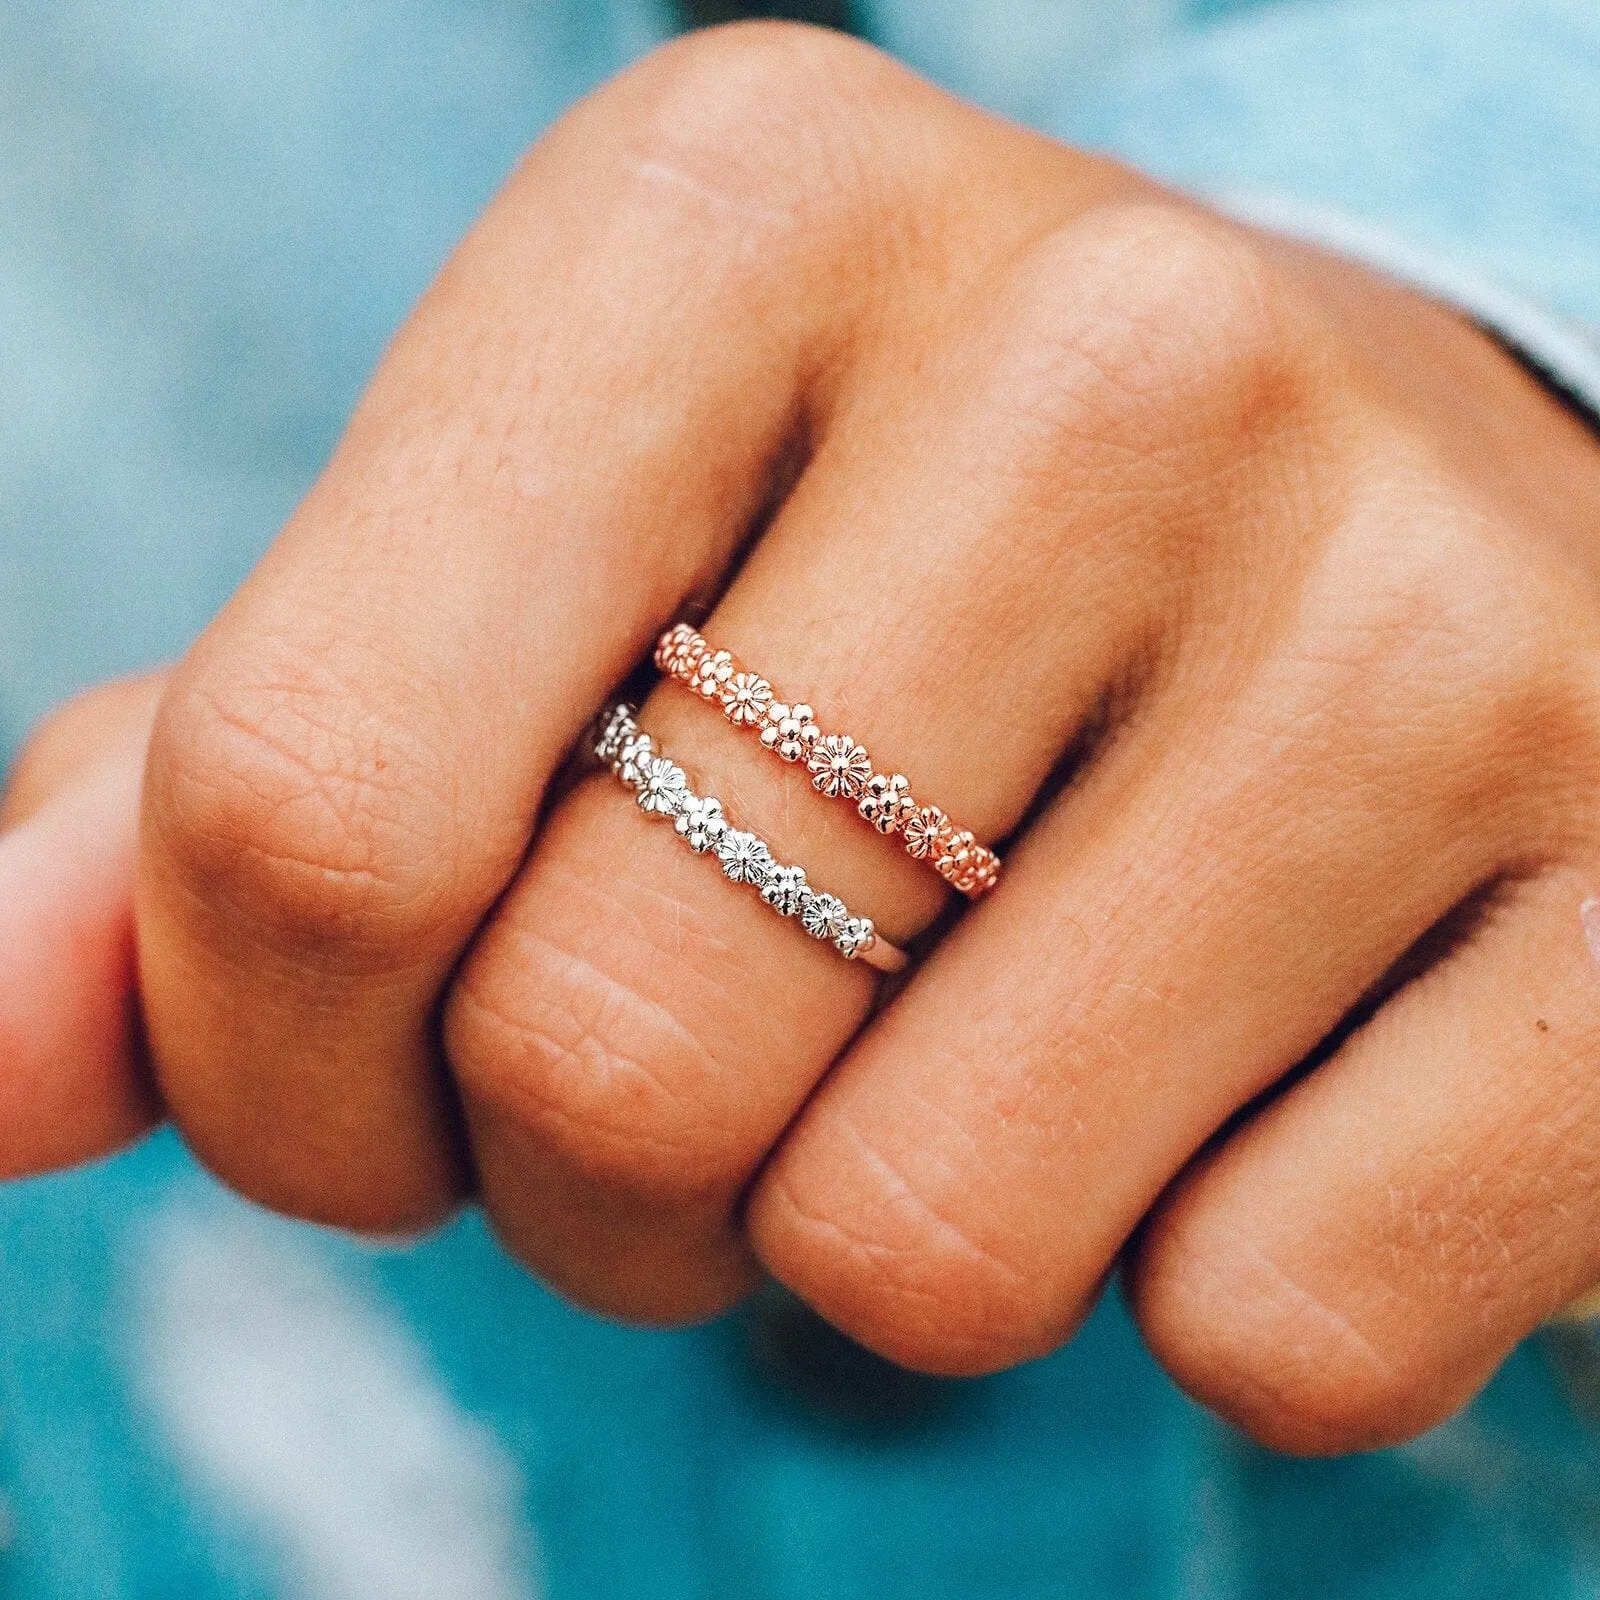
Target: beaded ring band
x=661, y=788
x=838, y=765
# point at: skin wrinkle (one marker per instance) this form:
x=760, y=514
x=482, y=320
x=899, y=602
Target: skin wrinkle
x=609, y=996
x=703, y=1170
x=1202, y=266
x=898, y=1189
x=534, y=1114
x=560, y=871
x=1283, y=1388
x=781, y=80
x=886, y=1264
x=242, y=954
x=949, y=1165
x=857, y=1244
x=350, y=893
x=701, y=124
x=208, y=893
x=323, y=783
x=305, y=663
x=525, y=940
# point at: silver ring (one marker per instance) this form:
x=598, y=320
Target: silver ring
x=661, y=789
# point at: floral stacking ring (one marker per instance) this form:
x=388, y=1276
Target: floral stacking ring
x=661, y=789
x=839, y=766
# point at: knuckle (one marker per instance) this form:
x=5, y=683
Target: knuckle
x=749, y=131
x=596, y=1079
x=1521, y=650
x=1268, y=1352
x=1170, y=329
x=1442, y=638
x=279, y=797
x=909, y=1279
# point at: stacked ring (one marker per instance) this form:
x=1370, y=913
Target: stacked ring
x=661, y=788
x=839, y=766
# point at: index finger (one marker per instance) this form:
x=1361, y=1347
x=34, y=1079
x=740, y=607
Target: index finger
x=72, y=1079
x=576, y=429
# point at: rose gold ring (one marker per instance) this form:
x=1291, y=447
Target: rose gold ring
x=839, y=766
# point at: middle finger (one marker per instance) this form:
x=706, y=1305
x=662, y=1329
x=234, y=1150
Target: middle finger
x=970, y=566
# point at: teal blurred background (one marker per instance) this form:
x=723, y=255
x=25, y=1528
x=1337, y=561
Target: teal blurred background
x=212, y=215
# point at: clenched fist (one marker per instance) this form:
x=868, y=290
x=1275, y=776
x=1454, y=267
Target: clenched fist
x=1251, y=604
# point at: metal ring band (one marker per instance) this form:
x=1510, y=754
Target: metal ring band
x=661, y=789
x=838, y=765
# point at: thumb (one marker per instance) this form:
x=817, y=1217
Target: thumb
x=72, y=1078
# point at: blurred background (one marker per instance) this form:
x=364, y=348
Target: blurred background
x=213, y=213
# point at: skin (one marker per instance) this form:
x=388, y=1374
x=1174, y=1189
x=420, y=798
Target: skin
x=1255, y=596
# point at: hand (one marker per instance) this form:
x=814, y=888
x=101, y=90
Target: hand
x=1256, y=596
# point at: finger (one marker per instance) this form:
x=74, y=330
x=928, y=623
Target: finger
x=1351, y=1266
x=577, y=428
x=1158, y=953
x=72, y=1080
x=112, y=719
x=631, y=1034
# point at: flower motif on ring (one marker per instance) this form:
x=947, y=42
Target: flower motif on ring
x=959, y=859
x=702, y=824
x=634, y=749
x=887, y=802
x=711, y=674
x=686, y=657
x=663, y=787
x=971, y=867
x=745, y=698
x=787, y=891
x=855, y=938
x=790, y=731
x=618, y=725
x=927, y=834
x=673, y=644
x=744, y=858
x=823, y=916
x=839, y=766
x=985, y=872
